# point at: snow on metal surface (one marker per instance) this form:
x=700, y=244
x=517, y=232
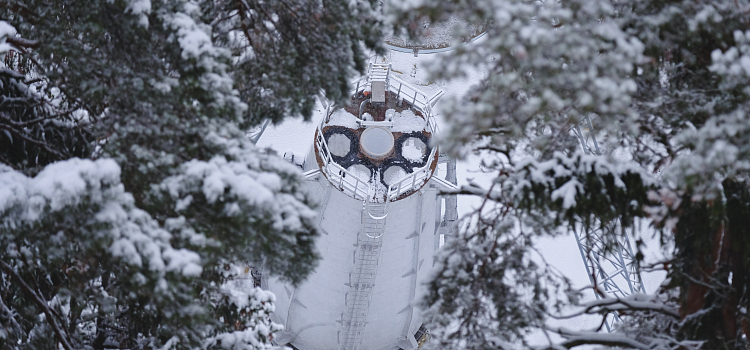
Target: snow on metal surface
x=314, y=313
x=339, y=145
x=413, y=149
x=393, y=174
x=360, y=171
x=340, y=117
x=407, y=121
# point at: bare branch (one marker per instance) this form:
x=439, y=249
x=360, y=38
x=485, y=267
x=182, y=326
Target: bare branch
x=22, y=43
x=577, y=338
x=43, y=145
x=59, y=332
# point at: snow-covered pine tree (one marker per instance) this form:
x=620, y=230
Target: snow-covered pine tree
x=289, y=50
x=30, y=137
x=133, y=247
x=665, y=84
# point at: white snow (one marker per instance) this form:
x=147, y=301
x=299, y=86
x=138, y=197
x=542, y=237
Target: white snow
x=196, y=44
x=183, y=261
x=256, y=302
x=393, y=174
x=194, y=39
x=360, y=171
x=568, y=193
x=407, y=121
x=301, y=132
x=339, y=145
x=6, y=30
x=58, y=186
x=634, y=301
x=137, y=239
x=413, y=149
x=341, y=117
x=389, y=114
x=236, y=184
x=140, y=8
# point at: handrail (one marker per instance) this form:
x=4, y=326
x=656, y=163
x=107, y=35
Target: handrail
x=418, y=99
x=352, y=185
x=377, y=217
x=386, y=124
x=349, y=183
x=445, y=185
x=413, y=181
x=311, y=174
x=436, y=97
x=377, y=221
x=413, y=95
x=432, y=125
x=345, y=180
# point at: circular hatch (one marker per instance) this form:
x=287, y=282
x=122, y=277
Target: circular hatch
x=376, y=142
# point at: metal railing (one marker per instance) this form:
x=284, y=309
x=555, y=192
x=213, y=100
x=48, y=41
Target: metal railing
x=413, y=181
x=412, y=95
x=373, y=218
x=345, y=180
x=361, y=283
x=416, y=179
x=378, y=71
x=614, y=272
x=360, y=189
x=404, y=90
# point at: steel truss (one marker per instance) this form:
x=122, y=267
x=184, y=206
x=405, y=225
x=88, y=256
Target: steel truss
x=614, y=272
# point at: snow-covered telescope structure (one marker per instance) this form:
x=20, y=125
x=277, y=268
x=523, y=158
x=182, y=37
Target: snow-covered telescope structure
x=371, y=169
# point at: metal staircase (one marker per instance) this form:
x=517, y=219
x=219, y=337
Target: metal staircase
x=379, y=75
x=379, y=71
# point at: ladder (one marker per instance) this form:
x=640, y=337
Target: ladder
x=360, y=290
x=373, y=219
x=369, y=242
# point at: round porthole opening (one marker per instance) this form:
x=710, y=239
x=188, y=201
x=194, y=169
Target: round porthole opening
x=413, y=149
x=392, y=174
x=339, y=144
x=360, y=171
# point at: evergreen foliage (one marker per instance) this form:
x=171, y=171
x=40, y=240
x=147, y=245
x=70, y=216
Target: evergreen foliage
x=665, y=85
x=134, y=247
x=34, y=133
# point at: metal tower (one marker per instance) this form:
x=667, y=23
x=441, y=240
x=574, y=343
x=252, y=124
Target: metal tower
x=374, y=175
x=614, y=273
